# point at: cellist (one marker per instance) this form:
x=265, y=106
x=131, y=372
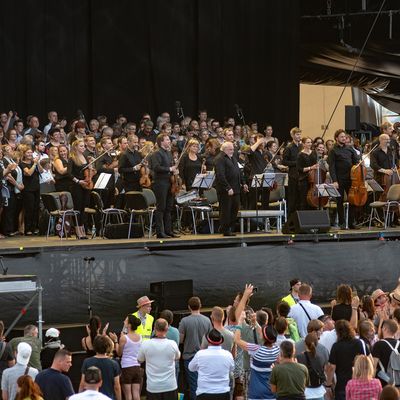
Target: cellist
x=340, y=159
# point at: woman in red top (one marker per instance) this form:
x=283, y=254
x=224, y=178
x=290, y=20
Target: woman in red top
x=363, y=386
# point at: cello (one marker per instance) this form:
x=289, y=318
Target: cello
x=358, y=194
x=316, y=177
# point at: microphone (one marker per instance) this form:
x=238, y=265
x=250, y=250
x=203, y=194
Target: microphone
x=89, y=258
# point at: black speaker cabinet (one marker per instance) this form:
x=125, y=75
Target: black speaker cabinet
x=172, y=295
x=352, y=118
x=311, y=221
x=307, y=221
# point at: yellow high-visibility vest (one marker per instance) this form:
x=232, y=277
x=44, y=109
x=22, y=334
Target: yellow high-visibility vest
x=145, y=330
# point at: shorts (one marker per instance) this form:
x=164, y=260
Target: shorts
x=131, y=375
x=238, y=391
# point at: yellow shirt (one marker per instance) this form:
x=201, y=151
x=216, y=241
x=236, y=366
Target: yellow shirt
x=290, y=300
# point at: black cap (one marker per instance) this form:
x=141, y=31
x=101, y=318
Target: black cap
x=269, y=333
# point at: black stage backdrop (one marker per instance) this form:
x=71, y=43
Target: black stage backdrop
x=136, y=56
x=120, y=276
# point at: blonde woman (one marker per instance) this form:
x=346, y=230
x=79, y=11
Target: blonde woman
x=81, y=183
x=190, y=164
x=363, y=385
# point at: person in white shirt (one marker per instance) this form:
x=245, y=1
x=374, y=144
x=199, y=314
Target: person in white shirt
x=213, y=366
x=93, y=381
x=304, y=311
x=160, y=354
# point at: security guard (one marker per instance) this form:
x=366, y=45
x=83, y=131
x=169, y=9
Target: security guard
x=143, y=313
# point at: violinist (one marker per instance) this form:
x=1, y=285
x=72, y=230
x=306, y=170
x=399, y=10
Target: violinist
x=163, y=167
x=190, y=164
x=290, y=160
x=80, y=184
x=257, y=164
x=274, y=159
x=130, y=164
x=108, y=164
x=340, y=159
x=91, y=151
x=306, y=162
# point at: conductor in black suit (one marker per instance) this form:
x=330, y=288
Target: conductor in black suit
x=228, y=184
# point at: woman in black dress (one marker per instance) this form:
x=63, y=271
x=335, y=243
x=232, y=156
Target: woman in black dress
x=60, y=169
x=31, y=194
x=306, y=162
x=80, y=184
x=190, y=164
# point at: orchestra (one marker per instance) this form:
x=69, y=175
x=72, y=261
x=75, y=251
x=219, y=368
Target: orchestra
x=167, y=162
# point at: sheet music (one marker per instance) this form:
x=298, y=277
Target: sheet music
x=102, y=181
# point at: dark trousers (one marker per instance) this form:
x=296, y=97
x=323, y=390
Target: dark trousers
x=228, y=209
x=81, y=199
x=164, y=204
x=257, y=194
x=172, y=395
x=293, y=195
x=214, y=396
x=344, y=187
x=303, y=190
x=31, y=205
x=11, y=212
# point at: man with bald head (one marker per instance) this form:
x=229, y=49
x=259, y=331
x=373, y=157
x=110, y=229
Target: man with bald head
x=384, y=159
x=228, y=184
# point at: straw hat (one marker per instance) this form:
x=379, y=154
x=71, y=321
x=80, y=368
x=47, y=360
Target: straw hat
x=395, y=295
x=142, y=301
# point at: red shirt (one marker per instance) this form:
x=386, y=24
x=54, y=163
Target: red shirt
x=361, y=389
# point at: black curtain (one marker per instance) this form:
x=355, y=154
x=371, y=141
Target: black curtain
x=141, y=56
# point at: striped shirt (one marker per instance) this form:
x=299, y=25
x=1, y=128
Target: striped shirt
x=262, y=357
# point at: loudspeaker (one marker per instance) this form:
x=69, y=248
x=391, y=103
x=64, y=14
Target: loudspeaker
x=307, y=221
x=120, y=231
x=352, y=118
x=172, y=295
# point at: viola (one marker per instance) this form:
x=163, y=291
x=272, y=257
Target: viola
x=176, y=180
x=316, y=177
x=89, y=174
x=145, y=180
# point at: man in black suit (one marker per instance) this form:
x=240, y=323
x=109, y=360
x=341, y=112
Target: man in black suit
x=228, y=183
x=163, y=167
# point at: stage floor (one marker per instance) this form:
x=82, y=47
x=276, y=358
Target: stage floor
x=34, y=244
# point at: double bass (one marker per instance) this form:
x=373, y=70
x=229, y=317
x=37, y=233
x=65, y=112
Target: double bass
x=358, y=193
x=316, y=177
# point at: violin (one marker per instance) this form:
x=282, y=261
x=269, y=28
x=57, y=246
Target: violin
x=358, y=194
x=145, y=180
x=176, y=180
x=89, y=173
x=316, y=177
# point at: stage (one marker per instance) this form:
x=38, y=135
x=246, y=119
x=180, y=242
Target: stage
x=219, y=267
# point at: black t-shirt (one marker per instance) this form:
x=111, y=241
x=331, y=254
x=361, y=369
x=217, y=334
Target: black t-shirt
x=54, y=385
x=342, y=355
x=382, y=351
x=109, y=370
x=31, y=183
x=6, y=356
x=341, y=311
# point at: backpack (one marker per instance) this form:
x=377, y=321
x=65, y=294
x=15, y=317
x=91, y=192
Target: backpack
x=316, y=374
x=293, y=330
x=392, y=374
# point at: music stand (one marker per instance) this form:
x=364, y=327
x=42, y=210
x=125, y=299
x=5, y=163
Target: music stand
x=204, y=181
x=327, y=190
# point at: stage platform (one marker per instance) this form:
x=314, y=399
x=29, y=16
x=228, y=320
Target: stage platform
x=218, y=266
x=35, y=244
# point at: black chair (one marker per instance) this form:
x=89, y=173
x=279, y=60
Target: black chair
x=106, y=213
x=52, y=204
x=136, y=205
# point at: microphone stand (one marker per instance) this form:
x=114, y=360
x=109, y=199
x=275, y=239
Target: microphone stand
x=88, y=260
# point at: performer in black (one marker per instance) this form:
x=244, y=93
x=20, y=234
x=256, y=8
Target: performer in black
x=228, y=183
x=257, y=163
x=340, y=159
x=290, y=160
x=130, y=164
x=162, y=167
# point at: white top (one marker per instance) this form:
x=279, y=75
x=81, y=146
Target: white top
x=160, y=355
x=328, y=338
x=301, y=317
x=213, y=366
x=282, y=338
x=89, y=394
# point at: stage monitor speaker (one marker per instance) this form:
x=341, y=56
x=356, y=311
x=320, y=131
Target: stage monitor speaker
x=312, y=221
x=352, y=118
x=172, y=295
